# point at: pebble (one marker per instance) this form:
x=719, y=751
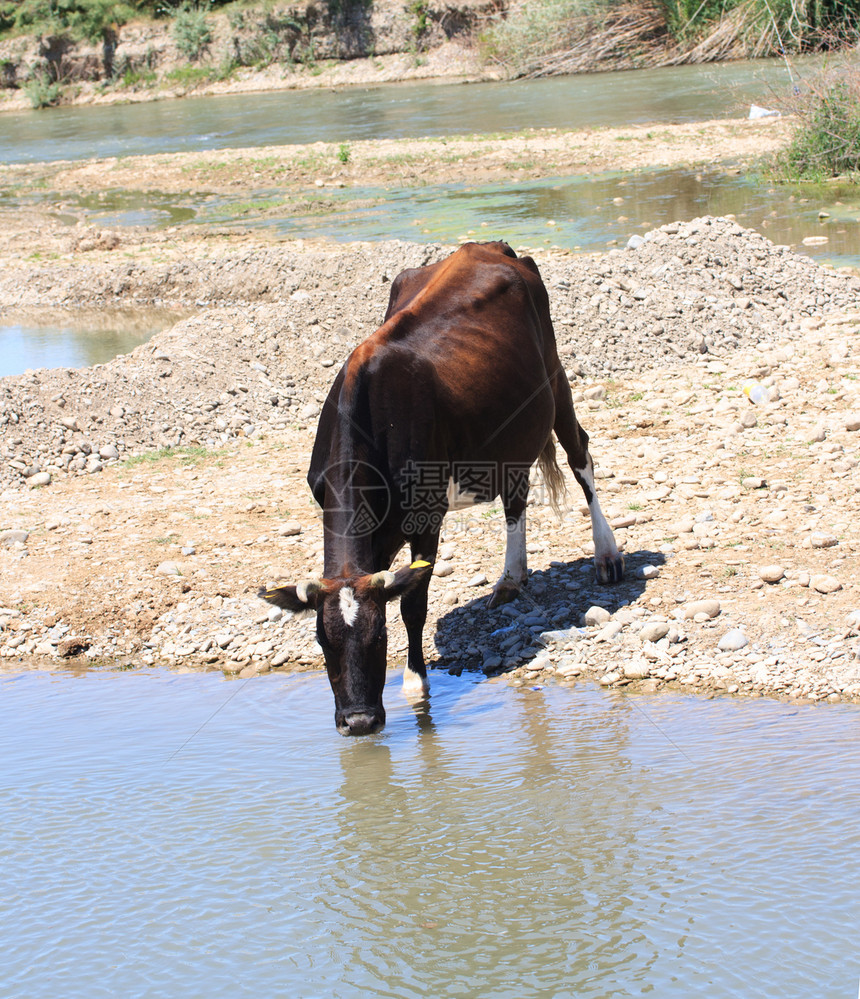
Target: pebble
x=167, y=569
x=825, y=584
x=479, y=579
x=655, y=631
x=637, y=669
x=14, y=537
x=39, y=479
x=609, y=632
x=290, y=529
x=596, y=615
x=711, y=608
x=771, y=573
x=819, y=539
x=733, y=641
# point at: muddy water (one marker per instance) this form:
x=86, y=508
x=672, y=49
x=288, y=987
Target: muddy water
x=75, y=339
x=578, y=213
x=682, y=93
x=182, y=835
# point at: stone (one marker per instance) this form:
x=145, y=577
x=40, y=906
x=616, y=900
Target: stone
x=818, y=539
x=609, y=632
x=167, y=569
x=69, y=647
x=825, y=584
x=710, y=607
x=108, y=452
x=637, y=669
x=609, y=678
x=479, y=579
x=646, y=572
x=14, y=537
x=654, y=631
x=852, y=422
x=561, y=637
x=290, y=529
x=733, y=641
x=39, y=479
x=596, y=615
x=771, y=573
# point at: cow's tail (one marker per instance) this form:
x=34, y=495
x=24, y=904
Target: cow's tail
x=552, y=476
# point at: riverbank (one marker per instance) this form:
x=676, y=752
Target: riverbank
x=296, y=169
x=177, y=472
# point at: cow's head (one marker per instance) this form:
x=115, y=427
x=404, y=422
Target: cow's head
x=351, y=631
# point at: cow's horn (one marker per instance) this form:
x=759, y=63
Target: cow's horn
x=306, y=588
x=383, y=578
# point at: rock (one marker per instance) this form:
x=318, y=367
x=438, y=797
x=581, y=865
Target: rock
x=852, y=422
x=637, y=669
x=108, y=452
x=39, y=479
x=609, y=678
x=825, y=584
x=596, y=615
x=561, y=637
x=733, y=641
x=771, y=573
x=290, y=529
x=167, y=569
x=821, y=540
x=609, y=632
x=711, y=608
x=479, y=579
x=646, y=572
x=654, y=631
x=69, y=647
x=14, y=537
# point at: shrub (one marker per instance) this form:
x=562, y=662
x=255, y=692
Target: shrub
x=826, y=143
x=191, y=29
x=42, y=92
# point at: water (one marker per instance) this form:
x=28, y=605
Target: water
x=679, y=93
x=76, y=339
x=169, y=835
x=577, y=213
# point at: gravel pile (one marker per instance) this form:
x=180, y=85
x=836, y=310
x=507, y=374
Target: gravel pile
x=275, y=323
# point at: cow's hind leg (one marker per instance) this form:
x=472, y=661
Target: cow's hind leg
x=413, y=610
x=515, y=574
x=608, y=562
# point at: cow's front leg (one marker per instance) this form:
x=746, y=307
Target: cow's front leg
x=515, y=573
x=413, y=610
x=608, y=562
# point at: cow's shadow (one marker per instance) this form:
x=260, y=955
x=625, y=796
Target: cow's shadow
x=473, y=637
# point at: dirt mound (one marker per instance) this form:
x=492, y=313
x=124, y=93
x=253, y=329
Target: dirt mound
x=276, y=322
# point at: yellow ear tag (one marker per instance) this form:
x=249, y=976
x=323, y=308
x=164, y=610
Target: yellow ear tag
x=418, y=564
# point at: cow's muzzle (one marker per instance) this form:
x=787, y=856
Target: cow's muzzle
x=364, y=721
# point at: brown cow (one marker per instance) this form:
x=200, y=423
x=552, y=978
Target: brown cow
x=458, y=392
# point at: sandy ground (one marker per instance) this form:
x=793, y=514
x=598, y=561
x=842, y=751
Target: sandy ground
x=155, y=555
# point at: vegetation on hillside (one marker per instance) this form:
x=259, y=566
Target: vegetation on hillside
x=546, y=37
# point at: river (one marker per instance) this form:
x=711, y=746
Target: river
x=187, y=836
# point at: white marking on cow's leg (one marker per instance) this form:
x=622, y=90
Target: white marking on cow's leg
x=608, y=563
x=348, y=605
x=414, y=685
x=516, y=563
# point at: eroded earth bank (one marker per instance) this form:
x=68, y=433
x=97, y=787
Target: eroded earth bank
x=143, y=502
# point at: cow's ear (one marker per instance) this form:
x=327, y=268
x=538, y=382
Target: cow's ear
x=407, y=579
x=306, y=596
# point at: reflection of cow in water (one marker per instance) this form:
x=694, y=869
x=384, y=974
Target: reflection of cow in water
x=458, y=392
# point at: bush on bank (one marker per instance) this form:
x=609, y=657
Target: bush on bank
x=826, y=143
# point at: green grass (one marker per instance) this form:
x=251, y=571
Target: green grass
x=183, y=455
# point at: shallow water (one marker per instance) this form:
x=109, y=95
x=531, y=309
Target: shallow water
x=76, y=340
x=170, y=835
x=680, y=93
x=578, y=213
